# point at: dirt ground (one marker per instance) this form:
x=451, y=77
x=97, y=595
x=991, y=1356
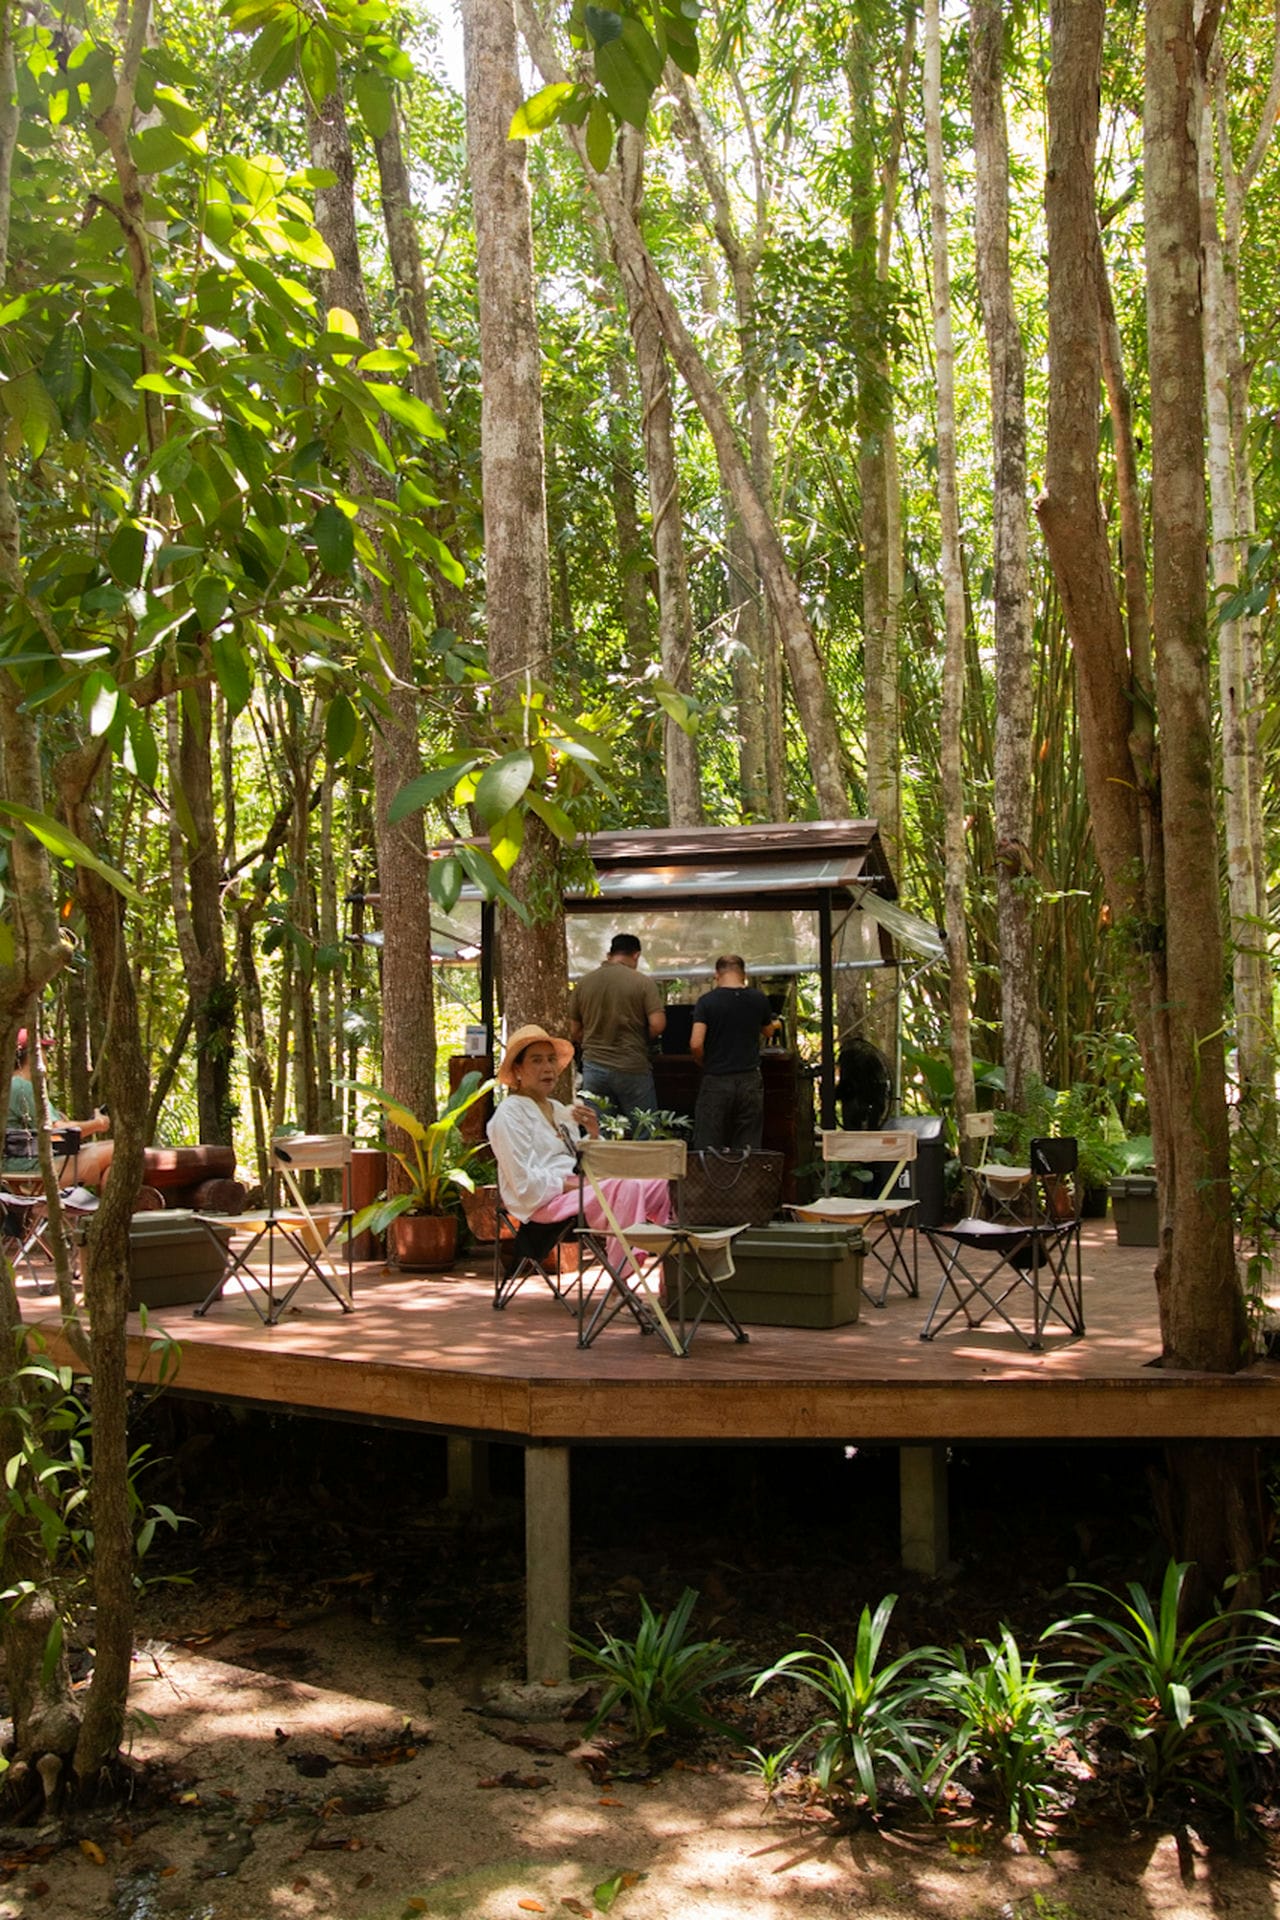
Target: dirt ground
x=332, y=1726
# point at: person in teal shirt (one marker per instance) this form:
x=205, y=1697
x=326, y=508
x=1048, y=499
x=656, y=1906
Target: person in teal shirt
x=88, y=1167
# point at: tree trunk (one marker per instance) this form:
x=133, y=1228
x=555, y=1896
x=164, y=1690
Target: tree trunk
x=804, y=662
x=1019, y=970
x=1206, y=1327
x=408, y=1003
x=195, y=878
x=952, y=581
x=675, y=616
x=532, y=955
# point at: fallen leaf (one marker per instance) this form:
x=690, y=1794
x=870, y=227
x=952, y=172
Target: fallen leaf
x=38, y=1889
x=576, y=1906
x=607, y=1892
x=92, y=1851
x=167, y=1873
x=301, y=1884
x=416, y=1905
x=188, y=1799
x=530, y=1906
x=609, y=1803
x=365, y=1880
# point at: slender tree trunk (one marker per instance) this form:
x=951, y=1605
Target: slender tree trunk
x=408, y=1000
x=804, y=662
x=517, y=592
x=1240, y=689
x=743, y=596
x=195, y=878
x=675, y=615
x=1019, y=971
x=1206, y=1313
x=952, y=580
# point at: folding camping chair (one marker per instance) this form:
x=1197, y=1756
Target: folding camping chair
x=623, y=1268
x=885, y=1221
x=523, y=1250
x=24, y=1211
x=311, y=1231
x=989, y=1267
x=1003, y=1190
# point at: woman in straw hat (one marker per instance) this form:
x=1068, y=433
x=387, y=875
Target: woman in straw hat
x=534, y=1138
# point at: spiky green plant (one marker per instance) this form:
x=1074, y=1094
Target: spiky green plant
x=661, y=1677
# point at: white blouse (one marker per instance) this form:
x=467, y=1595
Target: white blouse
x=533, y=1160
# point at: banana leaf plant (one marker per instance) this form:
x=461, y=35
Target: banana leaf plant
x=438, y=1162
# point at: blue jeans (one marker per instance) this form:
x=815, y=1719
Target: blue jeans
x=627, y=1093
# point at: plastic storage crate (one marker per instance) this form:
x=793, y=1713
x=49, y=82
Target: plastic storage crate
x=1136, y=1211
x=794, y=1274
x=173, y=1260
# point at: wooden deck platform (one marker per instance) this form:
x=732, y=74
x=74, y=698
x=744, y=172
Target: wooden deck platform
x=432, y=1352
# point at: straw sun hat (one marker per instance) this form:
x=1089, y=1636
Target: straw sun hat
x=524, y=1037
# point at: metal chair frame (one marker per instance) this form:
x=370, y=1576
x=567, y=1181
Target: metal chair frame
x=885, y=1222
x=1003, y=1189
x=694, y=1259
x=996, y=1263
x=311, y=1231
x=521, y=1251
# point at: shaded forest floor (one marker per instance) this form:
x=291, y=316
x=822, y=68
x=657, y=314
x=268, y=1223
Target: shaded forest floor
x=329, y=1720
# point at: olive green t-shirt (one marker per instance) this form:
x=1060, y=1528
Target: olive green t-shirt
x=614, y=1003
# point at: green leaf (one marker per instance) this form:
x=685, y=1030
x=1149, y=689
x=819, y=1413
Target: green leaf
x=599, y=135
x=65, y=846
x=317, y=66
x=127, y=553
x=210, y=598
x=444, y=881
x=604, y=24
x=178, y=111
x=625, y=86
x=503, y=785
x=28, y=401
x=554, y=816
x=335, y=539
x=231, y=670
x=541, y=110
x=340, y=728
x=156, y=149
x=644, y=50
x=429, y=786
x=99, y=701
x=403, y=407
x=141, y=751
x=373, y=98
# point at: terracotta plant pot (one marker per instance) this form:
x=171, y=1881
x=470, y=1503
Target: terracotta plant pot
x=423, y=1241
x=481, y=1209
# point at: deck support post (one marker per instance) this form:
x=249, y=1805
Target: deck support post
x=922, y=1497
x=467, y=1472
x=546, y=1560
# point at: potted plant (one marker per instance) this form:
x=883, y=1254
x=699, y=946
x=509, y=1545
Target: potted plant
x=421, y=1222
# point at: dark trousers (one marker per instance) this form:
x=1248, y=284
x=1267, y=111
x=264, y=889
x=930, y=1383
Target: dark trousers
x=730, y=1110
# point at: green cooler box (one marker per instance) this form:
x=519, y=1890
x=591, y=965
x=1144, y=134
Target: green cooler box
x=794, y=1274
x=173, y=1260
x=1136, y=1211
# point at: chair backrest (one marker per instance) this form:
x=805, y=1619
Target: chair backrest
x=313, y=1150
x=980, y=1126
x=896, y=1148
x=1054, y=1163
x=634, y=1159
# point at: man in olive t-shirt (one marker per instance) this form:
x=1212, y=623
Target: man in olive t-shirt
x=615, y=1011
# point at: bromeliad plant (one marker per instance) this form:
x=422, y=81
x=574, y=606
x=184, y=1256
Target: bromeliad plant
x=1184, y=1700
x=439, y=1161
x=662, y=1676
x=1010, y=1719
x=872, y=1719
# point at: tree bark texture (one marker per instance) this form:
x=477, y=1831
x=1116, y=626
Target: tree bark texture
x=1206, y=1313
x=1113, y=710
x=532, y=956
x=804, y=662
x=195, y=876
x=408, y=1002
x=1019, y=972
x=675, y=615
x=955, y=854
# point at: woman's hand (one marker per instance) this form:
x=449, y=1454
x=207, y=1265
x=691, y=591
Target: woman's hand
x=587, y=1118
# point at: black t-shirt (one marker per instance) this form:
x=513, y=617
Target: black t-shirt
x=735, y=1018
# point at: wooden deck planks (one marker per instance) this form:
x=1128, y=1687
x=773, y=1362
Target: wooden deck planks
x=432, y=1353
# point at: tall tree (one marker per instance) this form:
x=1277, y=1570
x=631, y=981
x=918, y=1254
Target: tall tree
x=535, y=974
x=1019, y=972
x=956, y=851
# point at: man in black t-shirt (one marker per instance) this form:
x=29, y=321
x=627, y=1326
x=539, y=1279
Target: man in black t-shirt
x=728, y=1024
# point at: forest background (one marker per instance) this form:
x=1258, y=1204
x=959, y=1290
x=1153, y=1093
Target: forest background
x=807, y=415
